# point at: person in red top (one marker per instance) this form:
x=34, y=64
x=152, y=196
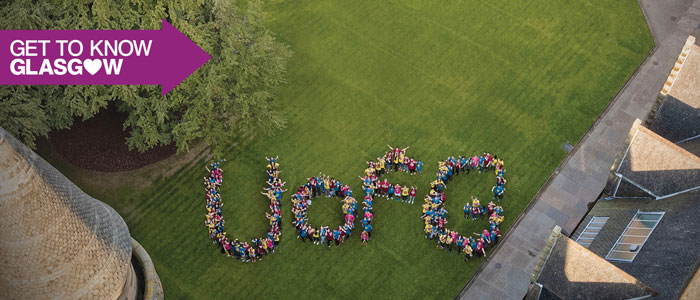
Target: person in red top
x=396, y=152
x=412, y=167
x=389, y=160
x=480, y=247
x=329, y=237
x=385, y=188
x=412, y=195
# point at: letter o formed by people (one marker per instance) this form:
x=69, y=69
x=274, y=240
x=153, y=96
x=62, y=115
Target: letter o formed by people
x=318, y=186
x=435, y=213
x=258, y=247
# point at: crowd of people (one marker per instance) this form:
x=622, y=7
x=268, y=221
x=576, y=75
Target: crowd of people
x=258, y=247
x=396, y=160
x=435, y=213
x=317, y=186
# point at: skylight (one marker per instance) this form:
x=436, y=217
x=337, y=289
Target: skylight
x=591, y=231
x=634, y=236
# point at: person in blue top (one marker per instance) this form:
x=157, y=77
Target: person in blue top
x=467, y=209
x=302, y=234
x=322, y=235
x=368, y=190
x=391, y=190
x=463, y=164
x=498, y=191
x=336, y=236
x=321, y=186
x=481, y=163
x=368, y=228
x=498, y=210
x=419, y=167
x=337, y=188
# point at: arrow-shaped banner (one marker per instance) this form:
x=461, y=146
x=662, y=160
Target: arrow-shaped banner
x=98, y=57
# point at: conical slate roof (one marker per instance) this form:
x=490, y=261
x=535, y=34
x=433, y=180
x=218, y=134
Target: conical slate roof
x=55, y=240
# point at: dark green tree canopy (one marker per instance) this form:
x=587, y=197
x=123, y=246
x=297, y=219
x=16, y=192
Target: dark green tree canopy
x=232, y=95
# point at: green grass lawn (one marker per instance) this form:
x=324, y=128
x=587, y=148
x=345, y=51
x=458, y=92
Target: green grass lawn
x=516, y=78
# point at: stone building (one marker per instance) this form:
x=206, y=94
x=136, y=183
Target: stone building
x=57, y=242
x=641, y=238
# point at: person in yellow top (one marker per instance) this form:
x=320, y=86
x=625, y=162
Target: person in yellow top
x=467, y=251
x=264, y=247
x=316, y=237
x=428, y=230
x=369, y=171
x=270, y=194
x=272, y=218
x=380, y=165
x=442, y=239
x=448, y=241
x=404, y=194
x=475, y=202
x=251, y=253
x=499, y=165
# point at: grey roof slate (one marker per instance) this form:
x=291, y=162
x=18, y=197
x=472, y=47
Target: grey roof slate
x=573, y=272
x=658, y=165
x=676, y=120
x=671, y=255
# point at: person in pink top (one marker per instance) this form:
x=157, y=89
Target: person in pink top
x=364, y=236
x=349, y=218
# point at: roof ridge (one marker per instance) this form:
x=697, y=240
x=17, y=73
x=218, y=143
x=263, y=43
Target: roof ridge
x=668, y=143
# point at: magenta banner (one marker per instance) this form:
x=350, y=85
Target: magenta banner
x=98, y=57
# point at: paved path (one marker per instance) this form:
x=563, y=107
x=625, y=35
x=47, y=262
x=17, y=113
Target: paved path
x=582, y=175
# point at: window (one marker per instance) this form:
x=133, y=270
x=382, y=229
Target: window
x=591, y=231
x=634, y=236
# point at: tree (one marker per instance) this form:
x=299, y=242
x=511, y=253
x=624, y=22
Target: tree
x=232, y=95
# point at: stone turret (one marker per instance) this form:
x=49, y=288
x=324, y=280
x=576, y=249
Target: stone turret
x=58, y=242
